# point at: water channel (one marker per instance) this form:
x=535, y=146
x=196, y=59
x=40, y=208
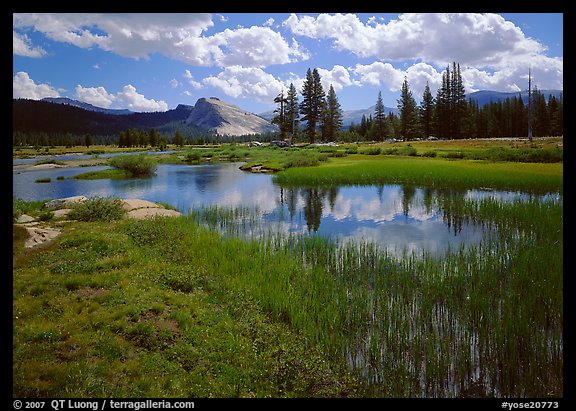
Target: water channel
x=394, y=216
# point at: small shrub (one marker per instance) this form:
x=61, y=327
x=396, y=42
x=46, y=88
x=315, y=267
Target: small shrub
x=98, y=209
x=46, y=215
x=43, y=180
x=455, y=155
x=352, y=150
x=371, y=151
x=302, y=159
x=407, y=151
x=20, y=207
x=429, y=154
x=192, y=156
x=137, y=165
x=390, y=151
x=339, y=153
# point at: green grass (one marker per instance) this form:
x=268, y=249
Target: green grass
x=112, y=173
x=167, y=308
x=145, y=309
x=434, y=172
x=480, y=320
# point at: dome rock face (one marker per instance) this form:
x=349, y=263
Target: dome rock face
x=226, y=119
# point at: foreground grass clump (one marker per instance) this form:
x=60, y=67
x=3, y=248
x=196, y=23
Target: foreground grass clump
x=20, y=207
x=98, y=209
x=145, y=309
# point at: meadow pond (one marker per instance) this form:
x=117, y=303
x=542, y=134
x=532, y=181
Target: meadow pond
x=395, y=216
x=420, y=290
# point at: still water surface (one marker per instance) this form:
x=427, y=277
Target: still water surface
x=396, y=217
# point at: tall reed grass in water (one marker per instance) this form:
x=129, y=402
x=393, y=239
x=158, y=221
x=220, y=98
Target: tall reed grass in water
x=483, y=320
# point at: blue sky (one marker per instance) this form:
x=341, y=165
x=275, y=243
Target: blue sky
x=155, y=61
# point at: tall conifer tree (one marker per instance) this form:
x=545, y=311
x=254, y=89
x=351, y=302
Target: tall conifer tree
x=380, y=118
x=280, y=117
x=292, y=112
x=426, y=111
x=312, y=103
x=408, y=114
x=332, y=117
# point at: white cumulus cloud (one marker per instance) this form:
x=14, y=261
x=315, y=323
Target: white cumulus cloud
x=487, y=42
x=246, y=82
x=190, y=78
x=135, y=101
x=338, y=77
x=97, y=96
x=180, y=36
x=256, y=47
x=24, y=87
x=22, y=46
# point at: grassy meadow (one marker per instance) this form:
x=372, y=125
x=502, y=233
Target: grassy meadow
x=179, y=307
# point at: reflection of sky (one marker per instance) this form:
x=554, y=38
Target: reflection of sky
x=378, y=204
x=183, y=186
x=391, y=215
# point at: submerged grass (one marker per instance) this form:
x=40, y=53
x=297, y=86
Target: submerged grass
x=483, y=320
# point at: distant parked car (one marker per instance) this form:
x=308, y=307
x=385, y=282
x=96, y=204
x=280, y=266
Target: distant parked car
x=254, y=144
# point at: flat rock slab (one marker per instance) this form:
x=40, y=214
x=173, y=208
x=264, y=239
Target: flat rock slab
x=39, y=236
x=25, y=218
x=63, y=212
x=134, y=204
x=149, y=212
x=140, y=209
x=135, y=208
x=64, y=202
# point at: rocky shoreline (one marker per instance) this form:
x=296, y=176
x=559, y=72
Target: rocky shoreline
x=40, y=233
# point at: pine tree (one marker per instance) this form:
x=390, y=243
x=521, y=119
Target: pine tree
x=555, y=115
x=363, y=128
x=178, y=139
x=154, y=137
x=380, y=118
x=426, y=111
x=408, y=114
x=332, y=116
x=442, y=111
x=312, y=102
x=280, y=117
x=541, y=120
x=292, y=112
x=458, y=95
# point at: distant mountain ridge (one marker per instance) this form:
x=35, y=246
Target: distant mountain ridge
x=355, y=116
x=208, y=115
x=86, y=106
x=63, y=115
x=348, y=116
x=484, y=97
